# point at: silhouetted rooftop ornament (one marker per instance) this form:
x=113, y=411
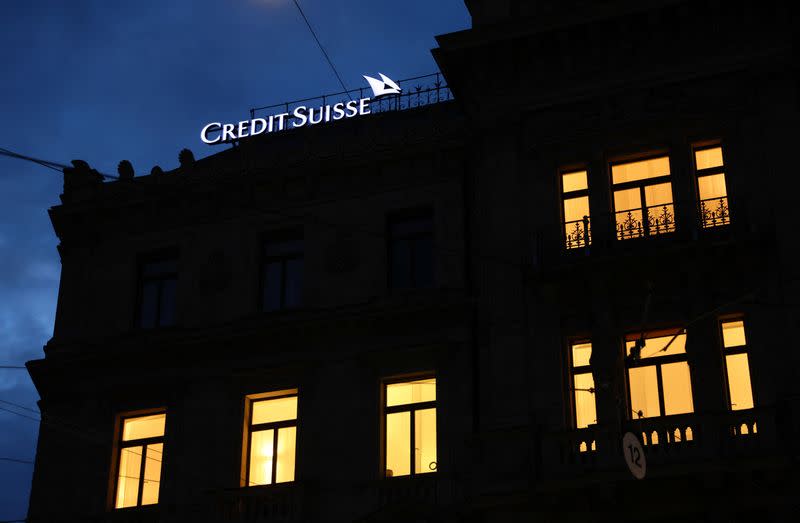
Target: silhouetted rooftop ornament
x=186, y=158
x=156, y=171
x=125, y=170
x=79, y=178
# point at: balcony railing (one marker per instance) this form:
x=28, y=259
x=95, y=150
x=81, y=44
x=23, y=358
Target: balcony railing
x=659, y=220
x=578, y=233
x=715, y=212
x=280, y=503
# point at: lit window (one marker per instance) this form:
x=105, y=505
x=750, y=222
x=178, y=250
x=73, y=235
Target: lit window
x=713, y=193
x=411, y=260
x=271, y=438
x=577, y=230
x=410, y=428
x=659, y=382
x=737, y=365
x=158, y=280
x=282, y=272
x=643, y=198
x=141, y=451
x=583, y=385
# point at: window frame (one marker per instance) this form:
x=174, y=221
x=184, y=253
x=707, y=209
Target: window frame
x=406, y=215
x=120, y=445
x=411, y=408
x=283, y=235
x=732, y=351
x=586, y=240
x=162, y=256
x=573, y=370
x=711, y=171
x=250, y=428
x=641, y=185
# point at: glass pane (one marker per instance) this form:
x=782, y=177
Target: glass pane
x=294, y=282
x=130, y=463
x=283, y=247
x=423, y=262
x=148, y=308
x=160, y=268
x=152, y=473
x=627, y=200
x=270, y=411
x=741, y=392
x=167, y=310
x=581, y=353
x=400, y=277
x=287, y=441
x=585, y=408
x=655, y=346
x=642, y=170
x=733, y=334
x=398, y=444
x=271, y=298
x=708, y=158
x=412, y=226
x=711, y=187
x=643, y=384
x=660, y=194
x=576, y=208
x=261, y=453
x=425, y=441
x=144, y=427
x=411, y=392
x=574, y=181
x=677, y=388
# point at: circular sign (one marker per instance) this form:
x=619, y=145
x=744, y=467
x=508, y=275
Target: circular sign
x=634, y=455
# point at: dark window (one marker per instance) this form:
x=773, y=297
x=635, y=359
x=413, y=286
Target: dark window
x=282, y=272
x=411, y=260
x=158, y=281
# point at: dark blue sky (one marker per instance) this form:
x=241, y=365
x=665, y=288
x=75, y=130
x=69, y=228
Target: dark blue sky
x=106, y=81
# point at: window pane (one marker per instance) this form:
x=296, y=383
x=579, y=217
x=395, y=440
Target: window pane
x=574, y=181
x=581, y=353
x=711, y=187
x=423, y=262
x=160, y=268
x=261, y=453
x=627, y=200
x=414, y=226
x=411, y=392
x=576, y=208
x=152, y=473
x=167, y=311
x=272, y=286
x=143, y=427
x=294, y=282
x=130, y=463
x=585, y=408
x=287, y=441
x=659, y=194
x=708, y=158
x=733, y=334
x=400, y=264
x=677, y=388
x=398, y=444
x=741, y=392
x=269, y=411
x=629, y=172
x=643, y=384
x=425, y=441
x=654, y=347
x=283, y=248
x=149, y=305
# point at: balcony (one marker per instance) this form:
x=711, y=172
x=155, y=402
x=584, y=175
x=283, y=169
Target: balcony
x=280, y=503
x=715, y=212
x=631, y=224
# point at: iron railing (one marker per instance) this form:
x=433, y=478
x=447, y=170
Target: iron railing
x=578, y=233
x=659, y=220
x=715, y=212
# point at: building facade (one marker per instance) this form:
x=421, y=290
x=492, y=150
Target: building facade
x=456, y=311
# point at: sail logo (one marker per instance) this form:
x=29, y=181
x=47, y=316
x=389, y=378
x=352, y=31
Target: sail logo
x=301, y=116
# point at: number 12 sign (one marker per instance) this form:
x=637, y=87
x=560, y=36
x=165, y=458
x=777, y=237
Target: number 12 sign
x=634, y=455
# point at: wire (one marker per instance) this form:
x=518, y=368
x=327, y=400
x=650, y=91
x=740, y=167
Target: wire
x=58, y=167
x=321, y=48
x=11, y=367
x=14, y=460
x=23, y=407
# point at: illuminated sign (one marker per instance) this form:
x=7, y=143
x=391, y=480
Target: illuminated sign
x=301, y=116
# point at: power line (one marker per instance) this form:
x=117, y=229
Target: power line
x=321, y=48
x=15, y=460
x=58, y=167
x=12, y=367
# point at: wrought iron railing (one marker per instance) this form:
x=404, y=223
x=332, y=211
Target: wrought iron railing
x=578, y=233
x=416, y=92
x=660, y=220
x=715, y=212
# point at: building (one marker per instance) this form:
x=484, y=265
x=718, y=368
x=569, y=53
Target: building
x=454, y=312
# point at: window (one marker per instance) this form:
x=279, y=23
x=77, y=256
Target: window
x=411, y=262
x=282, y=272
x=575, y=188
x=141, y=451
x=271, y=438
x=410, y=412
x=659, y=383
x=737, y=365
x=711, y=189
x=158, y=281
x=643, y=198
x=582, y=385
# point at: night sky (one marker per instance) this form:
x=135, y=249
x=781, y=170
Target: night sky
x=106, y=81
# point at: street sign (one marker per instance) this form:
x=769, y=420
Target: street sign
x=634, y=455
